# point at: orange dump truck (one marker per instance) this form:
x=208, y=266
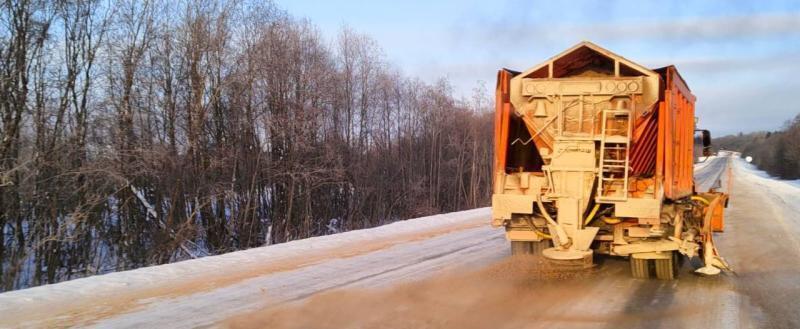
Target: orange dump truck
x=595, y=154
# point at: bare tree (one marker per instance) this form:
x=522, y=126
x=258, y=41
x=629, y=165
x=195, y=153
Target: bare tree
x=145, y=132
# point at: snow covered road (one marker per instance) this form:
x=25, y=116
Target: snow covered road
x=448, y=270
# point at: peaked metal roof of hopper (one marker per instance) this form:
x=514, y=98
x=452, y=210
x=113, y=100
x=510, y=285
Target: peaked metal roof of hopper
x=580, y=55
x=663, y=71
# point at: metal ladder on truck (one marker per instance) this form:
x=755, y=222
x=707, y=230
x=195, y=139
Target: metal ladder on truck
x=614, y=156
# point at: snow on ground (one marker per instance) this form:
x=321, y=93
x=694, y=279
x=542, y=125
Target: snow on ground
x=786, y=193
x=299, y=252
x=789, y=186
x=146, y=277
x=710, y=174
x=204, y=291
x=704, y=162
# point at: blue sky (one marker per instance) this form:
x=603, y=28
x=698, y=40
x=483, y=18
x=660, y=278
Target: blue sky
x=740, y=58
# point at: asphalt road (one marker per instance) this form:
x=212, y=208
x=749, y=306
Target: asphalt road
x=487, y=290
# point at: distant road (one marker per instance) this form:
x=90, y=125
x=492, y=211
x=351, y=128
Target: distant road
x=449, y=270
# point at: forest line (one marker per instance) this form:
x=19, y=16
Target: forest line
x=144, y=132
x=776, y=152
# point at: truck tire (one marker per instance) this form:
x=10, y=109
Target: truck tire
x=640, y=268
x=521, y=248
x=667, y=269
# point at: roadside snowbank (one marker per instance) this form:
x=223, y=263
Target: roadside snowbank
x=705, y=161
x=781, y=200
x=793, y=185
x=108, y=284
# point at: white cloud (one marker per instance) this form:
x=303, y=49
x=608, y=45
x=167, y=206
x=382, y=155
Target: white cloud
x=506, y=32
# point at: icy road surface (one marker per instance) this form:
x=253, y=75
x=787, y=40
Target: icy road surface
x=452, y=271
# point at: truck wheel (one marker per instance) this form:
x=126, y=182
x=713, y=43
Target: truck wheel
x=667, y=269
x=640, y=268
x=521, y=248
